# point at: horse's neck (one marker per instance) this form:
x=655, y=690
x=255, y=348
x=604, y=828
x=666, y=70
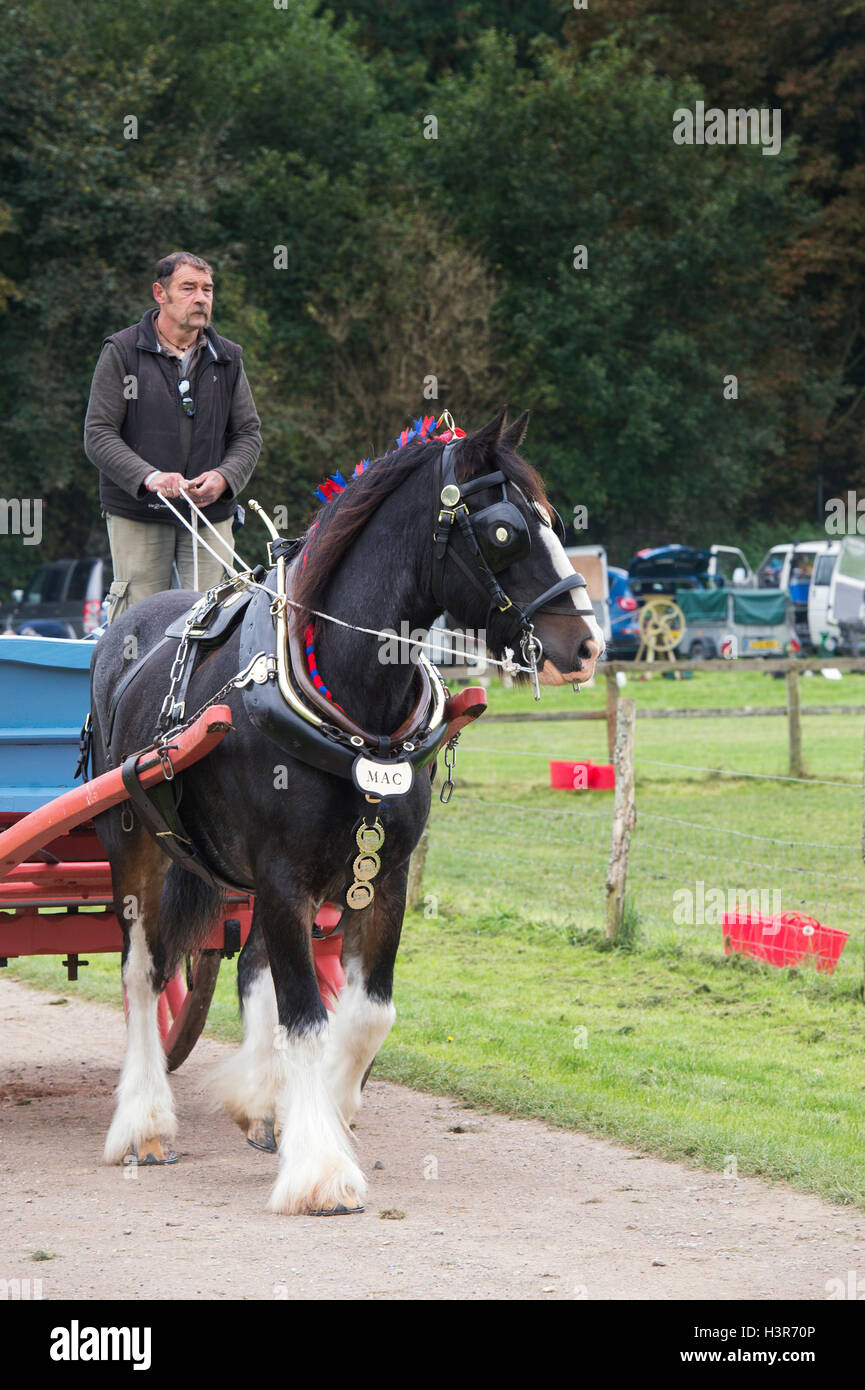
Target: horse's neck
x=383, y=583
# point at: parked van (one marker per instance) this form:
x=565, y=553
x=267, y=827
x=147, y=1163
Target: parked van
x=845, y=608
x=790, y=566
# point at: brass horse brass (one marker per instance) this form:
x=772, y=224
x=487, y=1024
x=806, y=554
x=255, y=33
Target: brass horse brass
x=370, y=837
x=366, y=866
x=360, y=895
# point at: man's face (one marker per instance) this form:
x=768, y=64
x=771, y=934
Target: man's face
x=187, y=300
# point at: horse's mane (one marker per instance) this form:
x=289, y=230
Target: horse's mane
x=340, y=521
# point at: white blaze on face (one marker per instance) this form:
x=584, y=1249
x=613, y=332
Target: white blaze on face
x=579, y=597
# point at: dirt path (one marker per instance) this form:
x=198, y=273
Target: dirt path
x=493, y=1207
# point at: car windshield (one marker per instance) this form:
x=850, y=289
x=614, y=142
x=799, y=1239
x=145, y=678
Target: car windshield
x=46, y=586
x=79, y=579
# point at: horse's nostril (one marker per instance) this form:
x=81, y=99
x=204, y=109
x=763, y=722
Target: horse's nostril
x=589, y=649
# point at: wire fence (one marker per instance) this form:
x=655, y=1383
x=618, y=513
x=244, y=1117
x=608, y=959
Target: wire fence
x=532, y=861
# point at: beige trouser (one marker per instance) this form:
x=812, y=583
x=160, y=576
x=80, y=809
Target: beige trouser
x=143, y=552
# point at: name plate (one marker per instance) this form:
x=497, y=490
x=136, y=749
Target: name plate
x=382, y=779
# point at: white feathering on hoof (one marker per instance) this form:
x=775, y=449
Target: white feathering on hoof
x=247, y=1084
x=358, y=1028
x=145, y=1106
x=317, y=1167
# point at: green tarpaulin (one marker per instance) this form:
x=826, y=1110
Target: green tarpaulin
x=760, y=608
x=703, y=605
x=751, y=607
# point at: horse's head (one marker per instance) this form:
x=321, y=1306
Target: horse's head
x=499, y=562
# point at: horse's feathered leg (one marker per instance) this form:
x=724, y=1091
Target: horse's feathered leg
x=318, y=1171
x=365, y=1012
x=144, y=1121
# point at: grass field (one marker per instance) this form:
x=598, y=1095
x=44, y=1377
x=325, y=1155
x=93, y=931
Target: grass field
x=508, y=995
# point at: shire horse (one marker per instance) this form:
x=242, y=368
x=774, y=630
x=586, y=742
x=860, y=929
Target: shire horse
x=372, y=560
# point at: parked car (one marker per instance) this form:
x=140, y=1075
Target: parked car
x=68, y=594
x=624, y=626
x=668, y=569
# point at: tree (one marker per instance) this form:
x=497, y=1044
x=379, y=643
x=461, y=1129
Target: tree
x=625, y=360
x=808, y=61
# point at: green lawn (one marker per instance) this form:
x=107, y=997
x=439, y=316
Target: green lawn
x=507, y=995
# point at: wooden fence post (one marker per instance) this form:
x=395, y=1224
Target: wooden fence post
x=794, y=723
x=612, y=708
x=624, y=816
x=415, y=870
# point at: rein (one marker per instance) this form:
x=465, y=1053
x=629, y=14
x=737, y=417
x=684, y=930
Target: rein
x=509, y=666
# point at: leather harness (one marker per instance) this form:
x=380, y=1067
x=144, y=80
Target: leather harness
x=507, y=521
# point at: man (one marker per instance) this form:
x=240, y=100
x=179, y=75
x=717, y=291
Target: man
x=170, y=410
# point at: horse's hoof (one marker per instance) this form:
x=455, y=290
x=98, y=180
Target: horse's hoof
x=261, y=1136
x=335, y=1211
x=150, y=1153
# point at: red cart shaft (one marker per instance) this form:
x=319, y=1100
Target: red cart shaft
x=73, y=807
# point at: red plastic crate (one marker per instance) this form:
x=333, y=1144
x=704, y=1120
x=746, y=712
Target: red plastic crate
x=602, y=777
x=783, y=940
x=580, y=774
x=571, y=776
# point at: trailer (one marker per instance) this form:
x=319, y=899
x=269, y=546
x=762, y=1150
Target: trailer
x=731, y=623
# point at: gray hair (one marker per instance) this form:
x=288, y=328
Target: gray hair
x=166, y=267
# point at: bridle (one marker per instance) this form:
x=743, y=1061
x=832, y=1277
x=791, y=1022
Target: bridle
x=492, y=539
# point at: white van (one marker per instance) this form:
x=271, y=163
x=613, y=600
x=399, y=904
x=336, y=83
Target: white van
x=845, y=610
x=790, y=566
x=826, y=580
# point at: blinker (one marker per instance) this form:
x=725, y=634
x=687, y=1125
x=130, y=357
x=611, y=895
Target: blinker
x=502, y=533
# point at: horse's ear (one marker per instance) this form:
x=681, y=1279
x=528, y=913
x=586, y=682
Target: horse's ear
x=516, y=433
x=474, y=454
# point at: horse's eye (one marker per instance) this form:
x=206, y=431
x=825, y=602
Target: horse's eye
x=543, y=514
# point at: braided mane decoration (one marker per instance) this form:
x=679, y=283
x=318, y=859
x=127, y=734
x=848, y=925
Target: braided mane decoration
x=420, y=432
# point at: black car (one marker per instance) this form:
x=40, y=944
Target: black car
x=64, y=598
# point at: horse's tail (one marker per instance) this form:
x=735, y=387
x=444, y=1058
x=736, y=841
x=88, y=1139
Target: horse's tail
x=187, y=912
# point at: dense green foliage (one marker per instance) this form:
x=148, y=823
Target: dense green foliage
x=407, y=257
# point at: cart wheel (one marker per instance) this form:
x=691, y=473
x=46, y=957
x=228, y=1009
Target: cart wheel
x=662, y=625
x=184, y=1004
